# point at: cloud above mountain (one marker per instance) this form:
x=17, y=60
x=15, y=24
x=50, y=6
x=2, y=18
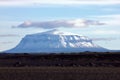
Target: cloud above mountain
x=77, y=23
x=61, y=2
x=9, y=35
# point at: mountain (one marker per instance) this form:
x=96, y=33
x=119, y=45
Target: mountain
x=55, y=41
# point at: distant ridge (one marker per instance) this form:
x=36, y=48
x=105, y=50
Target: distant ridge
x=55, y=41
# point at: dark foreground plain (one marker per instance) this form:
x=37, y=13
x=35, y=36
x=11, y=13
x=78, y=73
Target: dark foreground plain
x=86, y=59
x=72, y=66
x=59, y=73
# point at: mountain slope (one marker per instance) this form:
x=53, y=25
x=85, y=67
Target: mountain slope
x=55, y=41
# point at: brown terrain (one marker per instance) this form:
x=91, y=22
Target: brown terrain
x=72, y=66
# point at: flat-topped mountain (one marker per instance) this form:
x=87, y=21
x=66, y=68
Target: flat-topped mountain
x=55, y=41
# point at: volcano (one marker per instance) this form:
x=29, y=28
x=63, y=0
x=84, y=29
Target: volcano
x=55, y=41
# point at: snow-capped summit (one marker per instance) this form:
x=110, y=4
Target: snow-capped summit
x=55, y=41
x=56, y=32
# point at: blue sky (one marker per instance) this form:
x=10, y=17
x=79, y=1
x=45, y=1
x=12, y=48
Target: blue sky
x=77, y=12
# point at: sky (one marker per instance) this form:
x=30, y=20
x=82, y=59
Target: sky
x=96, y=19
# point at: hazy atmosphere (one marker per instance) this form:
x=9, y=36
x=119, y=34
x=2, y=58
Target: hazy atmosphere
x=97, y=19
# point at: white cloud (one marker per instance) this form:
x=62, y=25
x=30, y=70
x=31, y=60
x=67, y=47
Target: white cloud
x=105, y=39
x=101, y=2
x=106, y=32
x=9, y=35
x=7, y=42
x=58, y=2
x=109, y=20
x=32, y=2
x=76, y=23
x=115, y=16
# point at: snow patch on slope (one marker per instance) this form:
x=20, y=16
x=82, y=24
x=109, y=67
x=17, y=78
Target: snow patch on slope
x=55, y=41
